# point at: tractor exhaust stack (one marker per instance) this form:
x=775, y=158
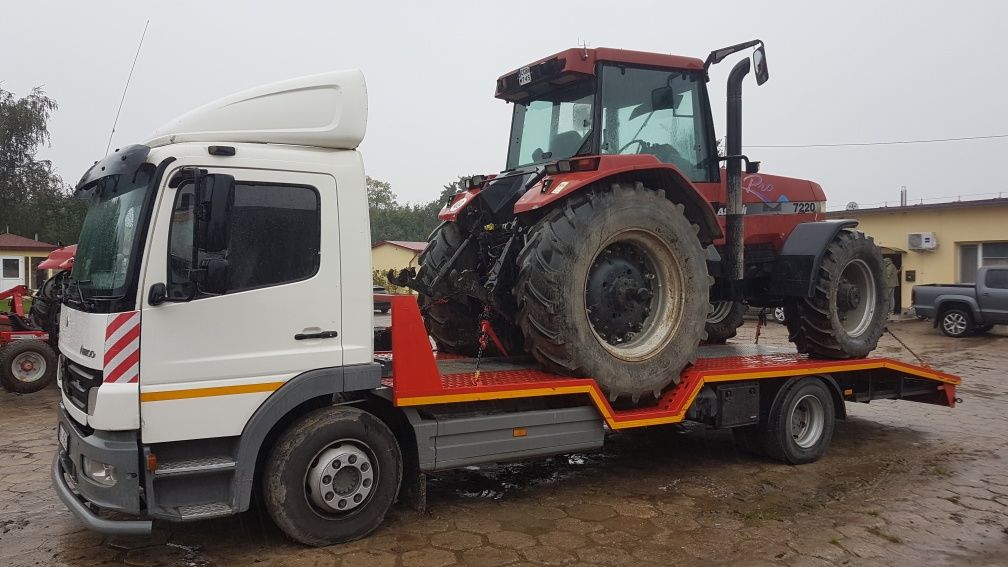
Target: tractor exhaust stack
x=734, y=212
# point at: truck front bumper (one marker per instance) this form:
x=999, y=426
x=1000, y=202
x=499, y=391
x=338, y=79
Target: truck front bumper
x=82, y=495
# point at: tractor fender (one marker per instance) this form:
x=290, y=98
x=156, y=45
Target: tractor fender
x=801, y=255
x=626, y=169
x=458, y=202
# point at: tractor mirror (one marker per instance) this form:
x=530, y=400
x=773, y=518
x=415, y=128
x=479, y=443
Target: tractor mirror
x=662, y=98
x=760, y=64
x=216, y=278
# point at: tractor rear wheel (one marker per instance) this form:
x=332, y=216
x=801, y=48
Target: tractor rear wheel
x=614, y=285
x=724, y=320
x=453, y=322
x=848, y=311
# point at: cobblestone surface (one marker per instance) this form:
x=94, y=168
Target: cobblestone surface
x=902, y=484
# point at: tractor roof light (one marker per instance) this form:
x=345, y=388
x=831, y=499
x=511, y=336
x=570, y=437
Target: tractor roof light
x=575, y=164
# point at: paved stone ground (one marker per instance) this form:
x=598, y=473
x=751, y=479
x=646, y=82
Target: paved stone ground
x=902, y=484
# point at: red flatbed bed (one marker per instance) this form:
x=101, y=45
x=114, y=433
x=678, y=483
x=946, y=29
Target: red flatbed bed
x=420, y=377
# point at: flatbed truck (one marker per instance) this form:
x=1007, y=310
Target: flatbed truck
x=217, y=341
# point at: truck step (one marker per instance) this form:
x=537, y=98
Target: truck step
x=196, y=466
x=204, y=511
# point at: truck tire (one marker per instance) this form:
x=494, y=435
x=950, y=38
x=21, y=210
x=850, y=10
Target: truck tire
x=27, y=365
x=799, y=426
x=614, y=285
x=850, y=306
x=332, y=476
x=956, y=322
x=454, y=322
x=724, y=320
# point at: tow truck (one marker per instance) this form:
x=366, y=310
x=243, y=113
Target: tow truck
x=217, y=340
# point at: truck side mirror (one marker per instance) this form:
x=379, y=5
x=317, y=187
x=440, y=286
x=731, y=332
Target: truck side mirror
x=760, y=64
x=214, y=197
x=216, y=278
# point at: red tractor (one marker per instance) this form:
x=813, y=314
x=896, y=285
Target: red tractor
x=614, y=243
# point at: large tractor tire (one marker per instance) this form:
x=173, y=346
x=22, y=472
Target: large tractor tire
x=613, y=285
x=724, y=320
x=847, y=314
x=454, y=322
x=45, y=309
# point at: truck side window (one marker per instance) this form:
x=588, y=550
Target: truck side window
x=997, y=279
x=275, y=235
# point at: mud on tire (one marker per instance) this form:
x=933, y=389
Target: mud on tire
x=579, y=304
x=850, y=305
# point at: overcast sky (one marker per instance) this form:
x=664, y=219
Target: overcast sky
x=853, y=72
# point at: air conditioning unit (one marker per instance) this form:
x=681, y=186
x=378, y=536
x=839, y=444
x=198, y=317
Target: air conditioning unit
x=922, y=241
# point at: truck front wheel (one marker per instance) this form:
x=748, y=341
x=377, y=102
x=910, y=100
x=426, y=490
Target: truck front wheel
x=332, y=476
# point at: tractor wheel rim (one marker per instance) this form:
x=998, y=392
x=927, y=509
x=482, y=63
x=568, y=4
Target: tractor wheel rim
x=341, y=478
x=954, y=323
x=778, y=314
x=857, y=320
x=640, y=317
x=28, y=367
x=806, y=421
x=720, y=312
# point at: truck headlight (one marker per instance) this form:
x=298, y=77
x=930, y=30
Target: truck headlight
x=99, y=472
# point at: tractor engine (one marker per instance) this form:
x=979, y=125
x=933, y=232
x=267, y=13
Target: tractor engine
x=614, y=242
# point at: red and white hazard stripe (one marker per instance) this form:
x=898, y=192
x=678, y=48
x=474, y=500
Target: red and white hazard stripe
x=122, y=348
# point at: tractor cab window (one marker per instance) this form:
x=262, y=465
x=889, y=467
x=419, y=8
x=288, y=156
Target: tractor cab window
x=661, y=113
x=553, y=126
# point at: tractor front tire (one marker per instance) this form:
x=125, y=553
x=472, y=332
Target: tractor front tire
x=454, y=322
x=613, y=285
x=724, y=320
x=850, y=306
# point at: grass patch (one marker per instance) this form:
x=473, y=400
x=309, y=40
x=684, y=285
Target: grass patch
x=836, y=542
x=888, y=537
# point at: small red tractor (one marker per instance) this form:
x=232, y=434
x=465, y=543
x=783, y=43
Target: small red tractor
x=28, y=341
x=614, y=243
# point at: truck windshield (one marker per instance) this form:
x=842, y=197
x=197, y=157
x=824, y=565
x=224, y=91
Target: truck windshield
x=551, y=126
x=111, y=232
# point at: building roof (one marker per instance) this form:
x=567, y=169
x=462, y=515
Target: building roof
x=10, y=241
x=1001, y=201
x=407, y=244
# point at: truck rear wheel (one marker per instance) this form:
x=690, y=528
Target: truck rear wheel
x=614, y=285
x=724, y=320
x=27, y=366
x=850, y=305
x=797, y=429
x=453, y=322
x=332, y=476
x=956, y=323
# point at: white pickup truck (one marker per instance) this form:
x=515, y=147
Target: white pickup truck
x=962, y=309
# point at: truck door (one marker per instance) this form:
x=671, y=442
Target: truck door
x=208, y=362
x=992, y=293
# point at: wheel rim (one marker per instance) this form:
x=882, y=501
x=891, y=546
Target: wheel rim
x=634, y=295
x=720, y=312
x=954, y=323
x=341, y=478
x=28, y=367
x=778, y=314
x=856, y=298
x=806, y=421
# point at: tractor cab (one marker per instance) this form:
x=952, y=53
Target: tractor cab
x=583, y=102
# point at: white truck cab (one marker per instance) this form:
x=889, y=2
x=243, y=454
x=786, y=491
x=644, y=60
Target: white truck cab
x=218, y=261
